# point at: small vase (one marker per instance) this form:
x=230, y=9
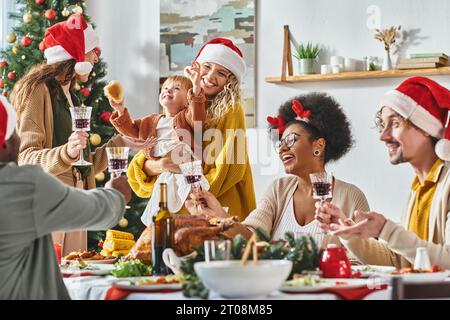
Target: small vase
x=387, y=62
x=306, y=66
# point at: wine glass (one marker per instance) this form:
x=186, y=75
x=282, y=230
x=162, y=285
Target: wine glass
x=81, y=121
x=117, y=159
x=322, y=184
x=193, y=173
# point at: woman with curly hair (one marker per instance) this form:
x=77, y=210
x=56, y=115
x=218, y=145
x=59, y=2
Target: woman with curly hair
x=221, y=69
x=312, y=130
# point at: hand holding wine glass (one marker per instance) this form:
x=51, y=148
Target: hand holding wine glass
x=76, y=142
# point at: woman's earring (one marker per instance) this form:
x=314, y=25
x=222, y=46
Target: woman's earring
x=317, y=152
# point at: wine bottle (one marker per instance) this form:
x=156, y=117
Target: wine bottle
x=162, y=235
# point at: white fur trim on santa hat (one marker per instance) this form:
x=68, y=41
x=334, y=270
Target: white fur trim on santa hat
x=12, y=117
x=225, y=56
x=411, y=110
x=83, y=68
x=442, y=149
x=58, y=53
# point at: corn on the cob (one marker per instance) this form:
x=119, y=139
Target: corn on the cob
x=118, y=253
x=106, y=253
x=114, y=234
x=118, y=244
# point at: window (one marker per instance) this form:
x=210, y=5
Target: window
x=6, y=24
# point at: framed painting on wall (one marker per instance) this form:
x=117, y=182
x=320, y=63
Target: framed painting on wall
x=187, y=24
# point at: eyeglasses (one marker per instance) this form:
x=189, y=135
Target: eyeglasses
x=288, y=141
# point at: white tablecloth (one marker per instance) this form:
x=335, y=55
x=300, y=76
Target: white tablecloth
x=95, y=288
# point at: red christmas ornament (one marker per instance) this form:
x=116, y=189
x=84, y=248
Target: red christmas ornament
x=85, y=92
x=105, y=116
x=26, y=41
x=42, y=45
x=50, y=14
x=5, y=94
x=1, y=83
x=100, y=244
x=3, y=64
x=11, y=75
x=39, y=1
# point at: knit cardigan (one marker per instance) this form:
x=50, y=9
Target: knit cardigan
x=397, y=246
x=231, y=183
x=273, y=205
x=35, y=128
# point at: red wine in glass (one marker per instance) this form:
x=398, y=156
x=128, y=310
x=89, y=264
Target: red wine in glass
x=118, y=165
x=82, y=124
x=322, y=189
x=191, y=179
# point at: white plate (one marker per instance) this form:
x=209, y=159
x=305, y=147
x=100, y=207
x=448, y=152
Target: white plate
x=420, y=277
x=97, y=270
x=128, y=284
x=372, y=270
x=328, y=284
x=105, y=261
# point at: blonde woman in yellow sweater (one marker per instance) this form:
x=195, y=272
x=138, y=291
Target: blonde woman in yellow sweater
x=226, y=164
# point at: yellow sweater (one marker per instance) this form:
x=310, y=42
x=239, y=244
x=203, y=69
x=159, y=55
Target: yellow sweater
x=231, y=183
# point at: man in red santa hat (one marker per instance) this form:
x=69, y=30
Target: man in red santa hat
x=35, y=204
x=413, y=125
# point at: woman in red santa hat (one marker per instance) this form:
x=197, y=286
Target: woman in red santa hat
x=227, y=167
x=42, y=99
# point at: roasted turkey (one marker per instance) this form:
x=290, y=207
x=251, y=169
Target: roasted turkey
x=190, y=233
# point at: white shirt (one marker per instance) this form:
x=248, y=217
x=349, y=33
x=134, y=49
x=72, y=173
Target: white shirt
x=288, y=223
x=167, y=137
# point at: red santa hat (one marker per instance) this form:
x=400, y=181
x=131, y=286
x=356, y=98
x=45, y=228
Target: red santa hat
x=7, y=120
x=71, y=39
x=224, y=52
x=426, y=104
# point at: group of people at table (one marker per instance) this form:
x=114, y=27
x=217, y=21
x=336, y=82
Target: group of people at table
x=44, y=199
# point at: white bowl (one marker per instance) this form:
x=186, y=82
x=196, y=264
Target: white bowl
x=231, y=280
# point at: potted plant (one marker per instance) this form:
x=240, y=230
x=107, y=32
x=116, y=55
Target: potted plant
x=307, y=55
x=387, y=36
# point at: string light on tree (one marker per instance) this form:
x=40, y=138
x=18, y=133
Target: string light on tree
x=24, y=57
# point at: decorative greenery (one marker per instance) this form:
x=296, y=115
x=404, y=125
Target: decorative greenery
x=303, y=252
x=33, y=18
x=132, y=268
x=387, y=36
x=308, y=51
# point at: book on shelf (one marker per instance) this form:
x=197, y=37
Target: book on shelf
x=428, y=55
x=438, y=60
x=418, y=65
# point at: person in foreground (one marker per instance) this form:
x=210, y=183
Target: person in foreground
x=314, y=131
x=35, y=204
x=412, y=123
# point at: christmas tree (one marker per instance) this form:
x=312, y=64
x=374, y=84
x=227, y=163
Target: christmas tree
x=26, y=48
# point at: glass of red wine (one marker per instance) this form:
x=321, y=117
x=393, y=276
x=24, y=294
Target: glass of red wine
x=81, y=121
x=322, y=184
x=117, y=159
x=193, y=173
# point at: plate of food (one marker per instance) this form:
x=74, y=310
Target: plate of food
x=367, y=270
x=148, y=284
x=314, y=283
x=91, y=257
x=80, y=267
x=411, y=275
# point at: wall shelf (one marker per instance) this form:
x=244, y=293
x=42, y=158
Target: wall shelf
x=361, y=75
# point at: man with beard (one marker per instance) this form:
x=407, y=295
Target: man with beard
x=33, y=205
x=412, y=122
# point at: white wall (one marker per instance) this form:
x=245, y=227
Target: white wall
x=130, y=42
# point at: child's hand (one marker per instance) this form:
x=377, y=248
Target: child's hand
x=194, y=74
x=119, y=107
x=139, y=144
